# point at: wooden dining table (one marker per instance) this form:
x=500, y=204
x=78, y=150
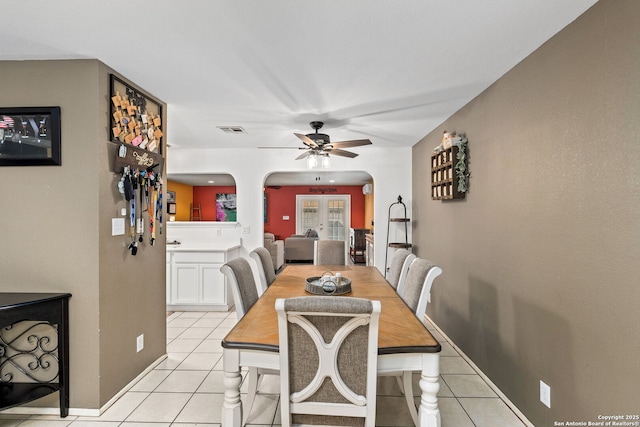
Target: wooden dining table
x=404, y=343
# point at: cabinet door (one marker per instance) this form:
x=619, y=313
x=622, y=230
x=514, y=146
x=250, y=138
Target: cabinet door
x=168, y=278
x=213, y=284
x=185, y=280
x=168, y=282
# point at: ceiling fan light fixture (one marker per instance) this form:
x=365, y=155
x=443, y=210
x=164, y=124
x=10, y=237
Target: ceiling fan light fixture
x=318, y=160
x=325, y=161
x=312, y=160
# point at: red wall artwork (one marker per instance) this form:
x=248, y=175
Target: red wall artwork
x=206, y=196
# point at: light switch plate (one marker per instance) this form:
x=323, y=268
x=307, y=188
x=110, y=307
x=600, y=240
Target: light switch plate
x=117, y=226
x=545, y=394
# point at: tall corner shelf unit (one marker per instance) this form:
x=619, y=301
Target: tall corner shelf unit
x=443, y=175
x=400, y=221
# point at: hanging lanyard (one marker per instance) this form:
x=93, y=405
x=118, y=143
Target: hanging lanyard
x=144, y=182
x=159, y=208
x=129, y=184
x=132, y=212
x=155, y=207
x=140, y=221
x=151, y=207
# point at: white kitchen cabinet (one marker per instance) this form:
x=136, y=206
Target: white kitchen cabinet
x=196, y=283
x=168, y=277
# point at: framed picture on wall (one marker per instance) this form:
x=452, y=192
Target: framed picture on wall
x=30, y=136
x=171, y=196
x=226, y=207
x=264, y=207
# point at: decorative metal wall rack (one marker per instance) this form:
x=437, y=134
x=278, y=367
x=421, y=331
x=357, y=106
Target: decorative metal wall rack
x=397, y=219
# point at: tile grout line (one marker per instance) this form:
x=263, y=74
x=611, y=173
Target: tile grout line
x=458, y=400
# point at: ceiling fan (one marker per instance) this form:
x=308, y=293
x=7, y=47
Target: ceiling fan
x=319, y=144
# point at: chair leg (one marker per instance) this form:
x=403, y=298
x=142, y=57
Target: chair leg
x=408, y=395
x=251, y=393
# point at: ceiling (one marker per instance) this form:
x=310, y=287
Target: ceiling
x=377, y=69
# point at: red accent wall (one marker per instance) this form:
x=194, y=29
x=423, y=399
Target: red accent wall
x=282, y=202
x=206, y=196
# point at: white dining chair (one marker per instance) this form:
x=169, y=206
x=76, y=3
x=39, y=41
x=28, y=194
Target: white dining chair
x=329, y=252
x=245, y=294
x=266, y=272
x=416, y=293
x=399, y=269
x=328, y=360
x=416, y=289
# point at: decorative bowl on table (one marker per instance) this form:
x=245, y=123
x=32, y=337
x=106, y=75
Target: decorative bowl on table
x=328, y=284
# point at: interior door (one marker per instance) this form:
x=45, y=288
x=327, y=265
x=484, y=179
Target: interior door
x=329, y=215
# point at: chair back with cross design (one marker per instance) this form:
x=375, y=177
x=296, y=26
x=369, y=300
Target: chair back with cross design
x=328, y=360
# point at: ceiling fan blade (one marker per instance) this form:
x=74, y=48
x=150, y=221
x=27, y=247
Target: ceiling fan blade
x=343, y=153
x=303, y=155
x=306, y=140
x=351, y=143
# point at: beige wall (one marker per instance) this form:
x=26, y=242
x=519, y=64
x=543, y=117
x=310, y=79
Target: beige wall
x=541, y=259
x=55, y=227
x=132, y=288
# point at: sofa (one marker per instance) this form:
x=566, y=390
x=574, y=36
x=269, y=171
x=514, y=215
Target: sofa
x=276, y=249
x=299, y=247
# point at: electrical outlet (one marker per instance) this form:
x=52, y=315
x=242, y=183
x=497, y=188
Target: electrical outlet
x=218, y=232
x=545, y=394
x=246, y=230
x=140, y=343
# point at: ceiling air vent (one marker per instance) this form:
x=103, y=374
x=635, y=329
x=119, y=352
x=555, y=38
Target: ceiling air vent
x=231, y=129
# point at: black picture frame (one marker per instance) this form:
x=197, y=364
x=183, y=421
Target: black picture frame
x=30, y=136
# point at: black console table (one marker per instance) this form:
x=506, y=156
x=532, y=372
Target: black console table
x=34, y=362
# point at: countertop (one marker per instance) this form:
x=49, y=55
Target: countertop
x=221, y=246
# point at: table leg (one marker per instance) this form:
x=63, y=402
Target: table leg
x=63, y=357
x=232, y=406
x=429, y=384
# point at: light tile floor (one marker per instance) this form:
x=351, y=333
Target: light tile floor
x=186, y=389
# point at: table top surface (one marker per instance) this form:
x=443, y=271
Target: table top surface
x=400, y=330
x=17, y=299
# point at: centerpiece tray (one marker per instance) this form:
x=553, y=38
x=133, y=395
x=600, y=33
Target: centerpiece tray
x=328, y=285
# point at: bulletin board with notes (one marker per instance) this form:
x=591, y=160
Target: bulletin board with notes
x=136, y=125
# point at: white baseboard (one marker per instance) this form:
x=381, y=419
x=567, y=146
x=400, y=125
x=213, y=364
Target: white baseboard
x=506, y=400
x=83, y=412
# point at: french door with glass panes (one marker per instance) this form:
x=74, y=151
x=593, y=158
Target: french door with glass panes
x=328, y=215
